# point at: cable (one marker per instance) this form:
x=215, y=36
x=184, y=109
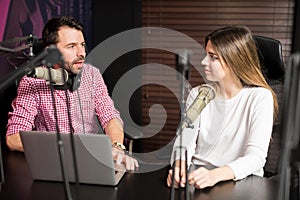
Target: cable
x=71, y=135
x=60, y=145
x=81, y=112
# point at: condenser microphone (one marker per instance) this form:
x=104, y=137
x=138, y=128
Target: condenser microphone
x=206, y=94
x=57, y=75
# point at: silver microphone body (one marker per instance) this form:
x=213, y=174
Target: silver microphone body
x=57, y=75
x=206, y=94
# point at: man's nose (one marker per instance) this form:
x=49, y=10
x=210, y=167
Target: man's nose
x=81, y=51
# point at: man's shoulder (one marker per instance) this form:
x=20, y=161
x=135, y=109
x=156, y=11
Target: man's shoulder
x=90, y=67
x=91, y=72
x=25, y=80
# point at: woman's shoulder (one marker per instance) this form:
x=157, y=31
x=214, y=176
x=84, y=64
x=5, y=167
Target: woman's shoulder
x=258, y=92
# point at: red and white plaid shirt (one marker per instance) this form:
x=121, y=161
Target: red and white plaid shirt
x=33, y=106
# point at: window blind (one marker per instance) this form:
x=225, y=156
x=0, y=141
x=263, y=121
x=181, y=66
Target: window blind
x=271, y=18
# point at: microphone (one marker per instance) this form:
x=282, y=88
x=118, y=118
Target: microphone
x=206, y=94
x=57, y=75
x=183, y=62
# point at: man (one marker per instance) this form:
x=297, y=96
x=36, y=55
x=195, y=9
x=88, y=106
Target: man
x=87, y=96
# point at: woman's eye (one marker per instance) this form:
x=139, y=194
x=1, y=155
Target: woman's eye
x=214, y=57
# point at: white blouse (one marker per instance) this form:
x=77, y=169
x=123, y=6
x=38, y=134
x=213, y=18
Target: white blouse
x=234, y=132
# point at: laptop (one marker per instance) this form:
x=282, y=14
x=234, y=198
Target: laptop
x=93, y=154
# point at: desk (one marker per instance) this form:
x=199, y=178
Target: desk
x=142, y=186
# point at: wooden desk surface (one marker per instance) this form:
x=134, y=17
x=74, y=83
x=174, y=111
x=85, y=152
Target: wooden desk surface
x=152, y=185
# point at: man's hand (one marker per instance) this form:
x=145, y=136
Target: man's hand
x=14, y=142
x=121, y=158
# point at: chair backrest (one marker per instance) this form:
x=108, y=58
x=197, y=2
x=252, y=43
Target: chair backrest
x=270, y=55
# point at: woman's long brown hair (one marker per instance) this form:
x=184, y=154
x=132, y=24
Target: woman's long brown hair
x=236, y=46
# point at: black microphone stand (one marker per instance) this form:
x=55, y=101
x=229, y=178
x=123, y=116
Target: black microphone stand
x=289, y=182
x=29, y=38
x=31, y=41
x=71, y=135
x=60, y=145
x=26, y=68
x=183, y=66
x=2, y=180
x=59, y=59
x=6, y=84
x=49, y=56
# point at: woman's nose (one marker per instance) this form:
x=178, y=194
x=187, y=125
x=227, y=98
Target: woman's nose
x=204, y=61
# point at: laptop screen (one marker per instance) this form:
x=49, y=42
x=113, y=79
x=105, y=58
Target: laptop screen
x=93, y=155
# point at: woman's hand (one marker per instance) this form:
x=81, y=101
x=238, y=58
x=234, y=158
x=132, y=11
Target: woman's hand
x=202, y=177
x=179, y=176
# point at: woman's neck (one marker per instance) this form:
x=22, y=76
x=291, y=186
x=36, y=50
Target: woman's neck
x=227, y=90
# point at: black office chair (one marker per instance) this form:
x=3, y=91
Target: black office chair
x=270, y=55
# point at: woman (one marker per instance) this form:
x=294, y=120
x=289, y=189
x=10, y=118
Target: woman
x=230, y=138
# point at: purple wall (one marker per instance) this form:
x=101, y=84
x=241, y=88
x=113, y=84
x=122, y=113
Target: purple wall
x=4, y=5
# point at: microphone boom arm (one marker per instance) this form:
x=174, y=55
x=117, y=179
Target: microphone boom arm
x=49, y=56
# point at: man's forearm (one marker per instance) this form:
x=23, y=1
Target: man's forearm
x=115, y=130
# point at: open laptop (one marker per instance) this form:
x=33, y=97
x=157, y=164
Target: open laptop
x=93, y=154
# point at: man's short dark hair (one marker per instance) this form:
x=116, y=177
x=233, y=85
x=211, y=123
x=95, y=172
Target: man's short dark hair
x=51, y=28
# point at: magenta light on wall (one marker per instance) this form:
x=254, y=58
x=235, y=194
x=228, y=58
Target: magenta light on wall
x=4, y=6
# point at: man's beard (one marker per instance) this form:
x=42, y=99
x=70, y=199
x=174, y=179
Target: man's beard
x=73, y=70
x=70, y=67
